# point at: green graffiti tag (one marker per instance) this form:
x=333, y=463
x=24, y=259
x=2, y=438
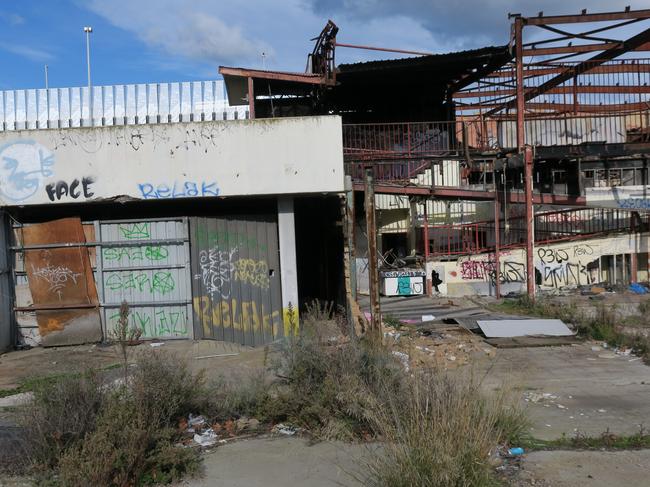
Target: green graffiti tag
x=135, y=231
x=160, y=323
x=161, y=282
x=149, y=252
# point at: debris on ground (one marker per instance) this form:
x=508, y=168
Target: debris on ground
x=437, y=345
x=286, y=429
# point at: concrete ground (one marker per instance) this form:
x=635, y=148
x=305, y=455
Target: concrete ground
x=586, y=390
x=281, y=462
x=585, y=468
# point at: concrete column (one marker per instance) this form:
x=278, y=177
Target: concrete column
x=288, y=266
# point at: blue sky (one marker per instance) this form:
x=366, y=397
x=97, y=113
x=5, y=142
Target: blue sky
x=137, y=41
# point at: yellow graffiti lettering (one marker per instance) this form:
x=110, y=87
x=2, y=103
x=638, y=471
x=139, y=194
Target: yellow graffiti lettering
x=245, y=314
x=225, y=310
x=257, y=325
x=255, y=273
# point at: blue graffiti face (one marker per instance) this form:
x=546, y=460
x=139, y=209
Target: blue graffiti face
x=24, y=165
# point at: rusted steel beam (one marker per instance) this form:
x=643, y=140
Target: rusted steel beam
x=585, y=17
x=561, y=90
x=566, y=107
x=273, y=75
x=629, y=66
x=520, y=100
x=472, y=195
x=497, y=243
x=530, y=222
x=384, y=49
x=580, y=68
x=579, y=48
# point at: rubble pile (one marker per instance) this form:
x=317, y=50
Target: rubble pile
x=447, y=347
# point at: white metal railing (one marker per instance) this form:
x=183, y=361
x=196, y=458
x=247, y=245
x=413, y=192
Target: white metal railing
x=116, y=105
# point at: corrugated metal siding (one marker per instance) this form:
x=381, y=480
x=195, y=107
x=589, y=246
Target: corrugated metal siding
x=236, y=279
x=116, y=105
x=147, y=264
x=565, y=131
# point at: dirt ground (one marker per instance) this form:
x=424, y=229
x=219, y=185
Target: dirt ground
x=582, y=387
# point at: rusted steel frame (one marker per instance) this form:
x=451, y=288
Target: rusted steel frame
x=530, y=217
x=46, y=307
x=251, y=98
x=542, y=68
x=546, y=51
x=519, y=71
x=566, y=35
x=569, y=107
x=561, y=90
x=585, y=17
x=580, y=68
x=273, y=75
x=497, y=243
x=425, y=230
x=384, y=49
x=373, y=271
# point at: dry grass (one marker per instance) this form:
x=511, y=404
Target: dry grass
x=440, y=431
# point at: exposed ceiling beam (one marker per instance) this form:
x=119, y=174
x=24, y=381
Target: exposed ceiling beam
x=559, y=90
x=565, y=107
x=273, y=75
x=579, y=48
x=585, y=17
x=627, y=67
x=582, y=67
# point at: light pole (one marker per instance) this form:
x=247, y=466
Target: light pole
x=88, y=30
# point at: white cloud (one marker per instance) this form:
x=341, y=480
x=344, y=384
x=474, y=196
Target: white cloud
x=33, y=54
x=206, y=33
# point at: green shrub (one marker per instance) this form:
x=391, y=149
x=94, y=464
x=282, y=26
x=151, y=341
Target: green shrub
x=62, y=413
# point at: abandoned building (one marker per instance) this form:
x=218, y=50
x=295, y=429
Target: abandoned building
x=520, y=168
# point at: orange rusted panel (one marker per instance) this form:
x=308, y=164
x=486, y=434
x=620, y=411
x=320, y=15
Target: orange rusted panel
x=61, y=281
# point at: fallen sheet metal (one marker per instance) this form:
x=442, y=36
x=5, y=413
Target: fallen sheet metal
x=521, y=328
x=61, y=283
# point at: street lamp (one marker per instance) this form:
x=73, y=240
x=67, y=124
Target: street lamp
x=88, y=30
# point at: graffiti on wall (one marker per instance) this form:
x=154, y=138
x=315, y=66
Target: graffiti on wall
x=243, y=316
x=486, y=270
x=56, y=277
x=24, y=166
x=186, y=189
x=57, y=191
x=155, y=323
x=566, y=266
x=158, y=282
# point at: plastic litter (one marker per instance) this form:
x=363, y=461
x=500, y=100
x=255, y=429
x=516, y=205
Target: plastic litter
x=285, y=429
x=207, y=438
x=637, y=288
x=516, y=451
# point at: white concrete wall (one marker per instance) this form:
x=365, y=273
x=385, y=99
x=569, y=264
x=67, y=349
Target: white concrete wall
x=207, y=159
x=561, y=265
x=626, y=197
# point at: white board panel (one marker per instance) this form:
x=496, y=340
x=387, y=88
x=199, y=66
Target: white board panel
x=520, y=328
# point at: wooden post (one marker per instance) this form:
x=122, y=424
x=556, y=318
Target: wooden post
x=373, y=259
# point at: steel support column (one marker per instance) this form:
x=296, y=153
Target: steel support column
x=425, y=239
x=519, y=75
x=530, y=217
x=497, y=237
x=352, y=258
x=373, y=271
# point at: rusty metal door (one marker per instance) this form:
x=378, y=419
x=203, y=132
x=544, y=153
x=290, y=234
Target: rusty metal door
x=236, y=279
x=60, y=277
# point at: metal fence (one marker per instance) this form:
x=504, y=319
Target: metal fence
x=468, y=238
x=116, y=105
